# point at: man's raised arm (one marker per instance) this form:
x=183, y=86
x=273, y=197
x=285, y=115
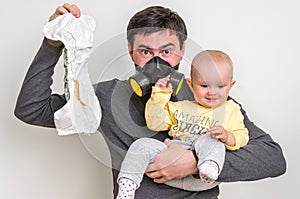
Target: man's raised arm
x=35, y=104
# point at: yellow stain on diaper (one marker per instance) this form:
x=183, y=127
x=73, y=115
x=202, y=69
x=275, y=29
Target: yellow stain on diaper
x=76, y=83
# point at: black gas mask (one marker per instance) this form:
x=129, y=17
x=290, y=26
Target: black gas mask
x=155, y=69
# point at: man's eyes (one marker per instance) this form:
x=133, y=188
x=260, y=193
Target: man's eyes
x=167, y=51
x=145, y=52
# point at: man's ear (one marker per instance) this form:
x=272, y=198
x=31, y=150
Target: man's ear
x=183, y=49
x=129, y=47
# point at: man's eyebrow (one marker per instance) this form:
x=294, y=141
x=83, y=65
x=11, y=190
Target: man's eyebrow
x=162, y=47
x=143, y=46
x=167, y=45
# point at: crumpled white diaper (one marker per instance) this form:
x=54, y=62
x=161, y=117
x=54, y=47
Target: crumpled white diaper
x=82, y=112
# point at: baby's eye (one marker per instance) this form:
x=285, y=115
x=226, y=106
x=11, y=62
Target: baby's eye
x=221, y=86
x=203, y=85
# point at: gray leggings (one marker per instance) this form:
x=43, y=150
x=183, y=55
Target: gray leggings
x=143, y=150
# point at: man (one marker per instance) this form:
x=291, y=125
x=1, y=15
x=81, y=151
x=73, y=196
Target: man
x=153, y=32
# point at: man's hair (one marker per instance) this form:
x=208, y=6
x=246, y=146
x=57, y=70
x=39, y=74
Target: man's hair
x=154, y=19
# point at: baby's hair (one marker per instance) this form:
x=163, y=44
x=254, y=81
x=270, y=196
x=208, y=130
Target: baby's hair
x=214, y=56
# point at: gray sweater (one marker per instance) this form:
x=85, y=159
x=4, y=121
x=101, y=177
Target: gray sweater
x=123, y=122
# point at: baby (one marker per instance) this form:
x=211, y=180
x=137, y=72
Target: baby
x=209, y=125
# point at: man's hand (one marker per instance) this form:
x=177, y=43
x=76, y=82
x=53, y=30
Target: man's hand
x=173, y=163
x=66, y=8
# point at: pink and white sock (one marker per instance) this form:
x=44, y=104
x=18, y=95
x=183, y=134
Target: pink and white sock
x=209, y=171
x=127, y=189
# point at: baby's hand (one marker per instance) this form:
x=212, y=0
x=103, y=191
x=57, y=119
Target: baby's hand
x=164, y=84
x=220, y=133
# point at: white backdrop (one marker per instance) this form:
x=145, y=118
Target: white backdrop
x=262, y=37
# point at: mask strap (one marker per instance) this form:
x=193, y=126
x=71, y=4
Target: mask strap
x=138, y=68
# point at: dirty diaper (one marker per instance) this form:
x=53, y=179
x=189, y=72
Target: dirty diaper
x=82, y=112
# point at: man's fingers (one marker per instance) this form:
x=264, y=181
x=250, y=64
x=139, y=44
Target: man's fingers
x=151, y=168
x=157, y=177
x=168, y=143
x=153, y=174
x=66, y=8
x=73, y=9
x=159, y=180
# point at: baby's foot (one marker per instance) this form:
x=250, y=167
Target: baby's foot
x=127, y=189
x=209, y=171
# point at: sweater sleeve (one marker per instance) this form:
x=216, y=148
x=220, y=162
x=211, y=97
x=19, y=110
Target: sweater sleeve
x=35, y=104
x=262, y=157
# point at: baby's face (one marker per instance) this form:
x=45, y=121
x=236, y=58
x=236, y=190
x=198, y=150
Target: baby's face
x=212, y=84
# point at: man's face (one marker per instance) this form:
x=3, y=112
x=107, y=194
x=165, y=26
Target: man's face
x=161, y=44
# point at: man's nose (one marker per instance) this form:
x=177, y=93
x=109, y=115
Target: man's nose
x=156, y=53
